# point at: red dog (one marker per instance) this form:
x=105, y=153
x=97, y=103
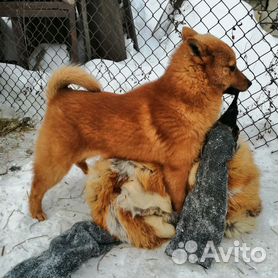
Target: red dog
x=162, y=122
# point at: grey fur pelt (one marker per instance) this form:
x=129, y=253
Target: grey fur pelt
x=66, y=253
x=204, y=212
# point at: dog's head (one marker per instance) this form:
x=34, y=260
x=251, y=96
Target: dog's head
x=216, y=58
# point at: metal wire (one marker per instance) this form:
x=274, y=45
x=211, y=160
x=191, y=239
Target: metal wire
x=109, y=38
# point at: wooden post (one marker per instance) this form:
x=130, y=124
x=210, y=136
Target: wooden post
x=73, y=35
x=130, y=24
x=84, y=16
x=21, y=44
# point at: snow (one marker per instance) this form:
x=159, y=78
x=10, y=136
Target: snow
x=22, y=237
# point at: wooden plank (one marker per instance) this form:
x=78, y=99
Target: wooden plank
x=19, y=10
x=130, y=24
x=84, y=16
x=73, y=36
x=106, y=36
x=28, y=9
x=33, y=13
x=36, y=5
x=21, y=46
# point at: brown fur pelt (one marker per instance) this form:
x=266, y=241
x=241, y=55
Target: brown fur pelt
x=129, y=199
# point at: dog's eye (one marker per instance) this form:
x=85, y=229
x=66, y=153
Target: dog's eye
x=232, y=68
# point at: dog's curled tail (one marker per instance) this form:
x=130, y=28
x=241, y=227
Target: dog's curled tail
x=67, y=75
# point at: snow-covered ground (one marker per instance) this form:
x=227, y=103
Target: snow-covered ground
x=22, y=237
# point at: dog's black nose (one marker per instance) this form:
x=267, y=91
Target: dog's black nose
x=249, y=83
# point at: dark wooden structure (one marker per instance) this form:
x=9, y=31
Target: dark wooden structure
x=19, y=11
x=103, y=24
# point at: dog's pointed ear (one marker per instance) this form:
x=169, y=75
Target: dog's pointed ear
x=188, y=33
x=199, y=51
x=196, y=47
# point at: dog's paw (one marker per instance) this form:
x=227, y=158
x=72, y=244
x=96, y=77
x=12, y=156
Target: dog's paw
x=40, y=215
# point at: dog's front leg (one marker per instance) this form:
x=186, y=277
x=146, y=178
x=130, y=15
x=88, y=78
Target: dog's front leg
x=176, y=180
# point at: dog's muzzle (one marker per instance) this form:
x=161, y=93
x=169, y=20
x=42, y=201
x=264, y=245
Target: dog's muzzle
x=232, y=91
x=249, y=83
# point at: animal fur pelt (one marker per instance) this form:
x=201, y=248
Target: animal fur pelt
x=203, y=216
x=66, y=253
x=130, y=201
x=204, y=213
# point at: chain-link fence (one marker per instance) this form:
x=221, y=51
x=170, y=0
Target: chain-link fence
x=125, y=43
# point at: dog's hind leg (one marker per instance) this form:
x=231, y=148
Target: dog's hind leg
x=46, y=175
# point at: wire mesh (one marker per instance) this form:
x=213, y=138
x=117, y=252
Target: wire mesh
x=126, y=43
